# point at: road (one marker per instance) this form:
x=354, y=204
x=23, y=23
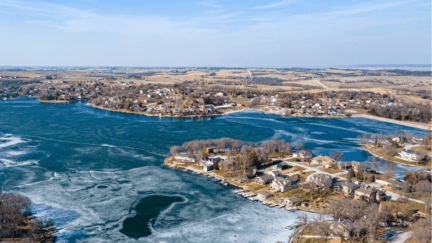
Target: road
x=401, y=238
x=319, y=82
x=394, y=196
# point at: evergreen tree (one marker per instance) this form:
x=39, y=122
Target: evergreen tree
x=351, y=174
x=253, y=159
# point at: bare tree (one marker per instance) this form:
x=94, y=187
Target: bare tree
x=299, y=145
x=338, y=156
x=422, y=231
x=174, y=150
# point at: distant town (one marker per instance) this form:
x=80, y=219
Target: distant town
x=208, y=93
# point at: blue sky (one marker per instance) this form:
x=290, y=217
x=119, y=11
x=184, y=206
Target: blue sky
x=279, y=33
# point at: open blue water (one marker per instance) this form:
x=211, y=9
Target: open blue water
x=89, y=169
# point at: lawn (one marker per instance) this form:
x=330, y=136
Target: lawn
x=298, y=168
x=379, y=152
x=255, y=187
x=221, y=173
x=331, y=171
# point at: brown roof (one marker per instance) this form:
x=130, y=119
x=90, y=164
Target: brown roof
x=266, y=177
x=367, y=191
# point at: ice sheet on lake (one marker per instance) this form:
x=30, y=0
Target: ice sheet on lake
x=105, y=199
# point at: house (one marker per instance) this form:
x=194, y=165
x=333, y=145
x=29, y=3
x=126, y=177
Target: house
x=408, y=154
x=323, y=160
x=275, y=173
x=367, y=193
x=322, y=180
x=333, y=112
x=291, y=201
x=348, y=188
x=142, y=91
x=302, y=154
x=264, y=195
x=211, y=159
x=344, y=166
x=342, y=228
x=357, y=166
x=283, y=166
x=250, y=172
x=206, y=107
x=185, y=158
x=264, y=180
x=208, y=167
x=399, y=139
x=280, y=184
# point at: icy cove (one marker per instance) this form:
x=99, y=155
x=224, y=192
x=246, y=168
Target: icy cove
x=146, y=212
x=98, y=173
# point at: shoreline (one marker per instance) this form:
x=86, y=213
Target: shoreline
x=402, y=123
x=382, y=119
x=424, y=127
x=379, y=156
x=244, y=194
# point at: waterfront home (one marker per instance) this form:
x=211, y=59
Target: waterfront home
x=280, y=184
x=302, y=154
x=264, y=180
x=357, y=166
x=399, y=139
x=185, y=158
x=274, y=173
x=292, y=200
x=348, y=188
x=212, y=159
x=367, y=193
x=323, y=160
x=344, y=165
x=206, y=107
x=283, y=166
x=208, y=166
x=250, y=172
x=333, y=112
x=417, y=140
x=408, y=154
x=264, y=195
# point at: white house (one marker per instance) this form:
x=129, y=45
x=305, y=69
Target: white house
x=185, y=158
x=408, y=154
x=280, y=184
x=291, y=201
x=302, y=154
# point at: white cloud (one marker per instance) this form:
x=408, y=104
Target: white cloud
x=275, y=4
